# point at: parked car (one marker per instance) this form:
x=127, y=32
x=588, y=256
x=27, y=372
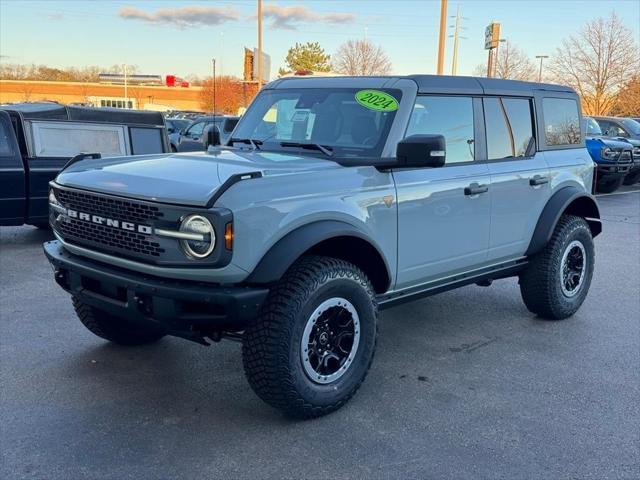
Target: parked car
x=613, y=157
x=622, y=129
x=334, y=198
x=38, y=139
x=175, y=127
x=193, y=138
x=619, y=127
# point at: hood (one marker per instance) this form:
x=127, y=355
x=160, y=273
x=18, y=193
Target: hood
x=182, y=178
x=597, y=141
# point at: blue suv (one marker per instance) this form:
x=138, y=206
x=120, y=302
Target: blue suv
x=625, y=130
x=613, y=157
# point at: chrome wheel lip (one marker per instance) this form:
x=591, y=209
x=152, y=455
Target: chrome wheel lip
x=311, y=373
x=564, y=266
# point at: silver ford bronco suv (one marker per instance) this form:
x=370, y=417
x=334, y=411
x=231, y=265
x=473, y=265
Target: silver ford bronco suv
x=333, y=198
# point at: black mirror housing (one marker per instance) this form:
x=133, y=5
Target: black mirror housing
x=421, y=151
x=212, y=137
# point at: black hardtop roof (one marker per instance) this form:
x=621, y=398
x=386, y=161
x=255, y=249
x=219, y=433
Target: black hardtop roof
x=55, y=111
x=443, y=84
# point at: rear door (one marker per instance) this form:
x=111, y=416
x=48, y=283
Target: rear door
x=12, y=176
x=443, y=213
x=520, y=179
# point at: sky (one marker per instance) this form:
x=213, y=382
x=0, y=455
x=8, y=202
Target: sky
x=181, y=37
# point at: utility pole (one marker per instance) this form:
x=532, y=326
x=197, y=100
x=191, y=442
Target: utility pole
x=456, y=37
x=259, y=44
x=541, y=57
x=442, y=36
x=496, y=59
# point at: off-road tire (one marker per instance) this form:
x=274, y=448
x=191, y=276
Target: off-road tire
x=42, y=226
x=272, y=342
x=609, y=185
x=112, y=328
x=541, y=280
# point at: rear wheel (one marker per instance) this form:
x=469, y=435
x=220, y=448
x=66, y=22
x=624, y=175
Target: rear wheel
x=312, y=345
x=556, y=281
x=112, y=328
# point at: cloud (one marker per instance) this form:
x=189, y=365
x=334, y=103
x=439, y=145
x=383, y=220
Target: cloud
x=288, y=18
x=183, y=16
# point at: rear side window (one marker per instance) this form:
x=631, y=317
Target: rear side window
x=509, y=127
x=451, y=117
x=561, y=121
x=145, y=140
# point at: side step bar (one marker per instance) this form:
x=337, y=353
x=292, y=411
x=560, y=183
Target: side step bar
x=482, y=276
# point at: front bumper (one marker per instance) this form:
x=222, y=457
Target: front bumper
x=179, y=307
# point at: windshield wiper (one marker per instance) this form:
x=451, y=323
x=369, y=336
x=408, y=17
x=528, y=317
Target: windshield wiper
x=250, y=141
x=328, y=151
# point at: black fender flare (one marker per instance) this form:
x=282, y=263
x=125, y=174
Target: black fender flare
x=568, y=199
x=289, y=248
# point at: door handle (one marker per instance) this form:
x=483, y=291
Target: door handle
x=538, y=180
x=476, y=189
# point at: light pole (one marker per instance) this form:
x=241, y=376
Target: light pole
x=541, y=57
x=259, y=44
x=213, y=62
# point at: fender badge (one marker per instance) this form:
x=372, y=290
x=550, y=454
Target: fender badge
x=388, y=200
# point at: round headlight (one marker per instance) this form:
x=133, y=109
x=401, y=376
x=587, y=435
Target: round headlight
x=199, y=226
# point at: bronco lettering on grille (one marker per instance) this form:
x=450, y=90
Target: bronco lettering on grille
x=109, y=222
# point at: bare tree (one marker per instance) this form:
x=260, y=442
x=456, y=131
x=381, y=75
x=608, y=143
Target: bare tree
x=511, y=63
x=597, y=63
x=361, y=57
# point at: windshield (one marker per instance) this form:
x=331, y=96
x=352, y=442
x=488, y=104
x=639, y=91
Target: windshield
x=339, y=120
x=631, y=125
x=592, y=127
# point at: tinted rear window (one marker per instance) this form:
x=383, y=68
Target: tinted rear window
x=561, y=121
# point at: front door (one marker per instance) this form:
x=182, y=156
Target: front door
x=443, y=213
x=192, y=139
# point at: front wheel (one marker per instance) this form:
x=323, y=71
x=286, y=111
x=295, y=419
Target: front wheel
x=609, y=184
x=556, y=281
x=311, y=347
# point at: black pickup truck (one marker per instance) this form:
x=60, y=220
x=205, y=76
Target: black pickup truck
x=38, y=139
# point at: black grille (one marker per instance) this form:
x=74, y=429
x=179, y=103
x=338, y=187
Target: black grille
x=123, y=210
x=108, y=237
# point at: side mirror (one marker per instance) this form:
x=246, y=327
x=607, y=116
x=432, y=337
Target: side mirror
x=211, y=137
x=171, y=130
x=421, y=151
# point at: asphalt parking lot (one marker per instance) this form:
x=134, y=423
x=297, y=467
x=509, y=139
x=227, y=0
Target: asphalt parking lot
x=467, y=384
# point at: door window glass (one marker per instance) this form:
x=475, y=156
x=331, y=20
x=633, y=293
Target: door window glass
x=561, y=121
x=451, y=117
x=5, y=142
x=196, y=129
x=509, y=127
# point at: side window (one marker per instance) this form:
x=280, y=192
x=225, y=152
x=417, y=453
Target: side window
x=561, y=121
x=196, y=129
x=5, y=142
x=509, y=127
x=451, y=117
x=229, y=125
x=617, y=131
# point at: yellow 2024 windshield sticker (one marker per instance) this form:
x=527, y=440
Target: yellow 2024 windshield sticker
x=376, y=100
